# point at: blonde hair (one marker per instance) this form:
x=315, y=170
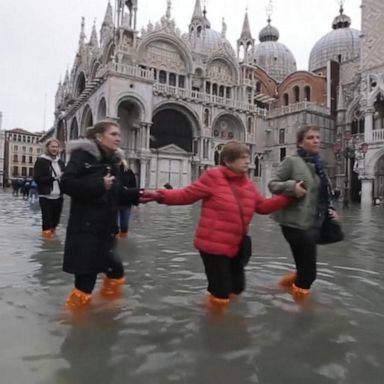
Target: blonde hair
x=49, y=142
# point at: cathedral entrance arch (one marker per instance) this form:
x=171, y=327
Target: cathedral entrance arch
x=172, y=135
x=129, y=112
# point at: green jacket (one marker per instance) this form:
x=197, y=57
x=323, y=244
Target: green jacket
x=303, y=213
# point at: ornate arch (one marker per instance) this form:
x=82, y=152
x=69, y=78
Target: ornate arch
x=225, y=125
x=235, y=73
x=80, y=82
x=174, y=41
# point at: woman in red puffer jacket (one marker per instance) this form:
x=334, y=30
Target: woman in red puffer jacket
x=229, y=201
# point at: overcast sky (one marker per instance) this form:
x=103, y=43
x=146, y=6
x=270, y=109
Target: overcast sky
x=39, y=39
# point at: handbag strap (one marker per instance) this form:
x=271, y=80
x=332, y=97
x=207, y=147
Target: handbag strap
x=235, y=194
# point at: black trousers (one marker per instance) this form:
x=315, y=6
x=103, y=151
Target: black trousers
x=86, y=282
x=304, y=251
x=225, y=275
x=50, y=212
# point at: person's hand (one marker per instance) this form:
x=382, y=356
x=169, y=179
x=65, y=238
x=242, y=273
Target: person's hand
x=148, y=196
x=108, y=182
x=300, y=189
x=333, y=214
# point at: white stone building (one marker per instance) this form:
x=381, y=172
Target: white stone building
x=179, y=97
x=2, y=145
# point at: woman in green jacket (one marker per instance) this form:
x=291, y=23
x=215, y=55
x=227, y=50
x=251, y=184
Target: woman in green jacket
x=303, y=175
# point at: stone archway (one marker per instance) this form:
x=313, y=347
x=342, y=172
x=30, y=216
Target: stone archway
x=171, y=126
x=87, y=119
x=102, y=109
x=129, y=113
x=74, y=130
x=172, y=143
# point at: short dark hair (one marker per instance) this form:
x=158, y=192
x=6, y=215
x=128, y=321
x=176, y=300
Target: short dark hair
x=233, y=151
x=100, y=127
x=303, y=131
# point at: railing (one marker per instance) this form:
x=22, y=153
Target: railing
x=125, y=69
x=206, y=98
x=377, y=135
x=298, y=107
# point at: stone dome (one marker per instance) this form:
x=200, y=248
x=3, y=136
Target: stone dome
x=341, y=44
x=210, y=41
x=274, y=57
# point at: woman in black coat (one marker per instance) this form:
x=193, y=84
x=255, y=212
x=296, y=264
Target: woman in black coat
x=47, y=173
x=91, y=178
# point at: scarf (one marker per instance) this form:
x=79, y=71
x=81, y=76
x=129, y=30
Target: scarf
x=324, y=197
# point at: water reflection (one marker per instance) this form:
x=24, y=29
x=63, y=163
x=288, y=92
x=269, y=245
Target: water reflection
x=161, y=332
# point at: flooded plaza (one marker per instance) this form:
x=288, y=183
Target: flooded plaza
x=161, y=330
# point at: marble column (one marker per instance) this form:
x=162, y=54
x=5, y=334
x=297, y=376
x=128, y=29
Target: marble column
x=368, y=124
x=366, y=191
x=143, y=173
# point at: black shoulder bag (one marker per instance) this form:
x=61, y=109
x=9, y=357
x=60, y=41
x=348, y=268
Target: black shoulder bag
x=245, y=251
x=330, y=231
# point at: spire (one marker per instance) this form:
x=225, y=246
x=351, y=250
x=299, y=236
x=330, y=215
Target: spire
x=108, y=18
x=93, y=40
x=168, y=12
x=197, y=13
x=342, y=20
x=223, y=28
x=82, y=33
x=246, y=31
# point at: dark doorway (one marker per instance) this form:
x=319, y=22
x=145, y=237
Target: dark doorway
x=171, y=127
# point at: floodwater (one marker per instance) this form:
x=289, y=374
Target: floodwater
x=161, y=330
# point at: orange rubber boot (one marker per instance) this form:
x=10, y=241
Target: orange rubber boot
x=217, y=305
x=299, y=294
x=47, y=234
x=112, y=288
x=77, y=299
x=123, y=235
x=288, y=279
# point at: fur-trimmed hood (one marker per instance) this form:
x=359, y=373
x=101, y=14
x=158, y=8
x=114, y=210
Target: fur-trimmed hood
x=86, y=145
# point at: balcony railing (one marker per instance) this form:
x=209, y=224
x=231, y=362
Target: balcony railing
x=298, y=107
x=377, y=135
x=182, y=93
x=125, y=69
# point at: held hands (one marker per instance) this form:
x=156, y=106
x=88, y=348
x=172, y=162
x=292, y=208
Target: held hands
x=148, y=196
x=300, y=189
x=333, y=215
x=108, y=182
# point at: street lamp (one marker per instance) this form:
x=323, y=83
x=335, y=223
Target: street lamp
x=348, y=153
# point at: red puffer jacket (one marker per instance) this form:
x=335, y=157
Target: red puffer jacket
x=220, y=229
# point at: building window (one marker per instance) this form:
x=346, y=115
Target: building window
x=30, y=159
x=38, y=151
x=172, y=79
x=24, y=171
x=206, y=117
x=285, y=99
x=258, y=87
x=30, y=172
x=307, y=93
x=257, y=170
x=24, y=139
x=214, y=89
x=208, y=87
x=24, y=149
x=23, y=159
x=162, y=77
x=282, y=136
x=19, y=138
x=181, y=81
x=228, y=92
x=296, y=94
x=15, y=158
x=30, y=149
x=15, y=171
x=28, y=139
x=15, y=148
x=283, y=153
x=249, y=124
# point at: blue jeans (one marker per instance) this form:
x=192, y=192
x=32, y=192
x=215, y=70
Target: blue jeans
x=123, y=219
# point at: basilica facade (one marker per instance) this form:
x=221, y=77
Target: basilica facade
x=179, y=97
